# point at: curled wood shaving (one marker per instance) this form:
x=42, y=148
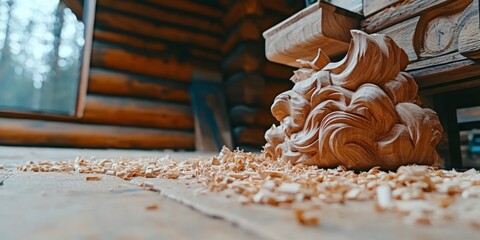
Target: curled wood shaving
x=419, y=193
x=302, y=219
x=93, y=178
x=151, y=207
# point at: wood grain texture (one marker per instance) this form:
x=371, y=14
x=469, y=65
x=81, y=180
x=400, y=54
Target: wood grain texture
x=300, y=36
x=399, y=12
x=115, y=83
x=155, y=45
x=148, y=28
x=372, y=6
x=46, y=133
x=160, y=14
x=469, y=34
x=169, y=67
x=137, y=113
x=359, y=112
x=440, y=30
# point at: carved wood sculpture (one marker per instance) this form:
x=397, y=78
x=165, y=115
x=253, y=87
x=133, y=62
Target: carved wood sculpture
x=360, y=112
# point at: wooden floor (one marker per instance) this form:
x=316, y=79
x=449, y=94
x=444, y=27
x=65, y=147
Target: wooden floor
x=65, y=206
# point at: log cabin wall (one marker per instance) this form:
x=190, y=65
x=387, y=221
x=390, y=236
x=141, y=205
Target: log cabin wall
x=251, y=81
x=143, y=56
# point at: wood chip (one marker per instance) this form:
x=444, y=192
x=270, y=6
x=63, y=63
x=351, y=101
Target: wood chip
x=302, y=219
x=418, y=193
x=151, y=207
x=93, y=178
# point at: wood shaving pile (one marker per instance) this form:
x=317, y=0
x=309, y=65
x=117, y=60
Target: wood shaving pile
x=420, y=194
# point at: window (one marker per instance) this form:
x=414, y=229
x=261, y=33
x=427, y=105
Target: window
x=44, y=55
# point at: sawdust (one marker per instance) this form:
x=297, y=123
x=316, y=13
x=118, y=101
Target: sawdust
x=420, y=194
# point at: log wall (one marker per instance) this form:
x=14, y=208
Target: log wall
x=143, y=57
x=252, y=82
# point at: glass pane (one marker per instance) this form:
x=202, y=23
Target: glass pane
x=469, y=126
x=41, y=49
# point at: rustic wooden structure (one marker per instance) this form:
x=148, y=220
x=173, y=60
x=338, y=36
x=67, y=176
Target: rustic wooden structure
x=440, y=39
x=251, y=82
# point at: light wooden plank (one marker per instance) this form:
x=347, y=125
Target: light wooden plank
x=372, y=6
x=300, y=36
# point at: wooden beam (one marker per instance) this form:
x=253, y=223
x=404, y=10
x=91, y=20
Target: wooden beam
x=155, y=45
x=138, y=113
x=123, y=84
x=245, y=57
x=59, y=134
x=242, y=115
x=169, y=67
x=399, y=12
x=144, y=27
x=190, y=7
x=300, y=36
x=142, y=10
x=246, y=30
x=245, y=88
x=372, y=6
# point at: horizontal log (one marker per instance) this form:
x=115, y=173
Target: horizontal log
x=169, y=67
x=442, y=74
x=245, y=88
x=194, y=7
x=240, y=10
x=440, y=30
x=372, y=6
x=123, y=84
x=246, y=57
x=242, y=115
x=246, y=30
x=399, y=12
x=157, y=13
x=147, y=28
x=155, y=45
x=301, y=35
x=137, y=113
x=59, y=134
x=249, y=136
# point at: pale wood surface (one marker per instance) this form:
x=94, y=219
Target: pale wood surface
x=65, y=206
x=372, y=6
x=300, y=36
